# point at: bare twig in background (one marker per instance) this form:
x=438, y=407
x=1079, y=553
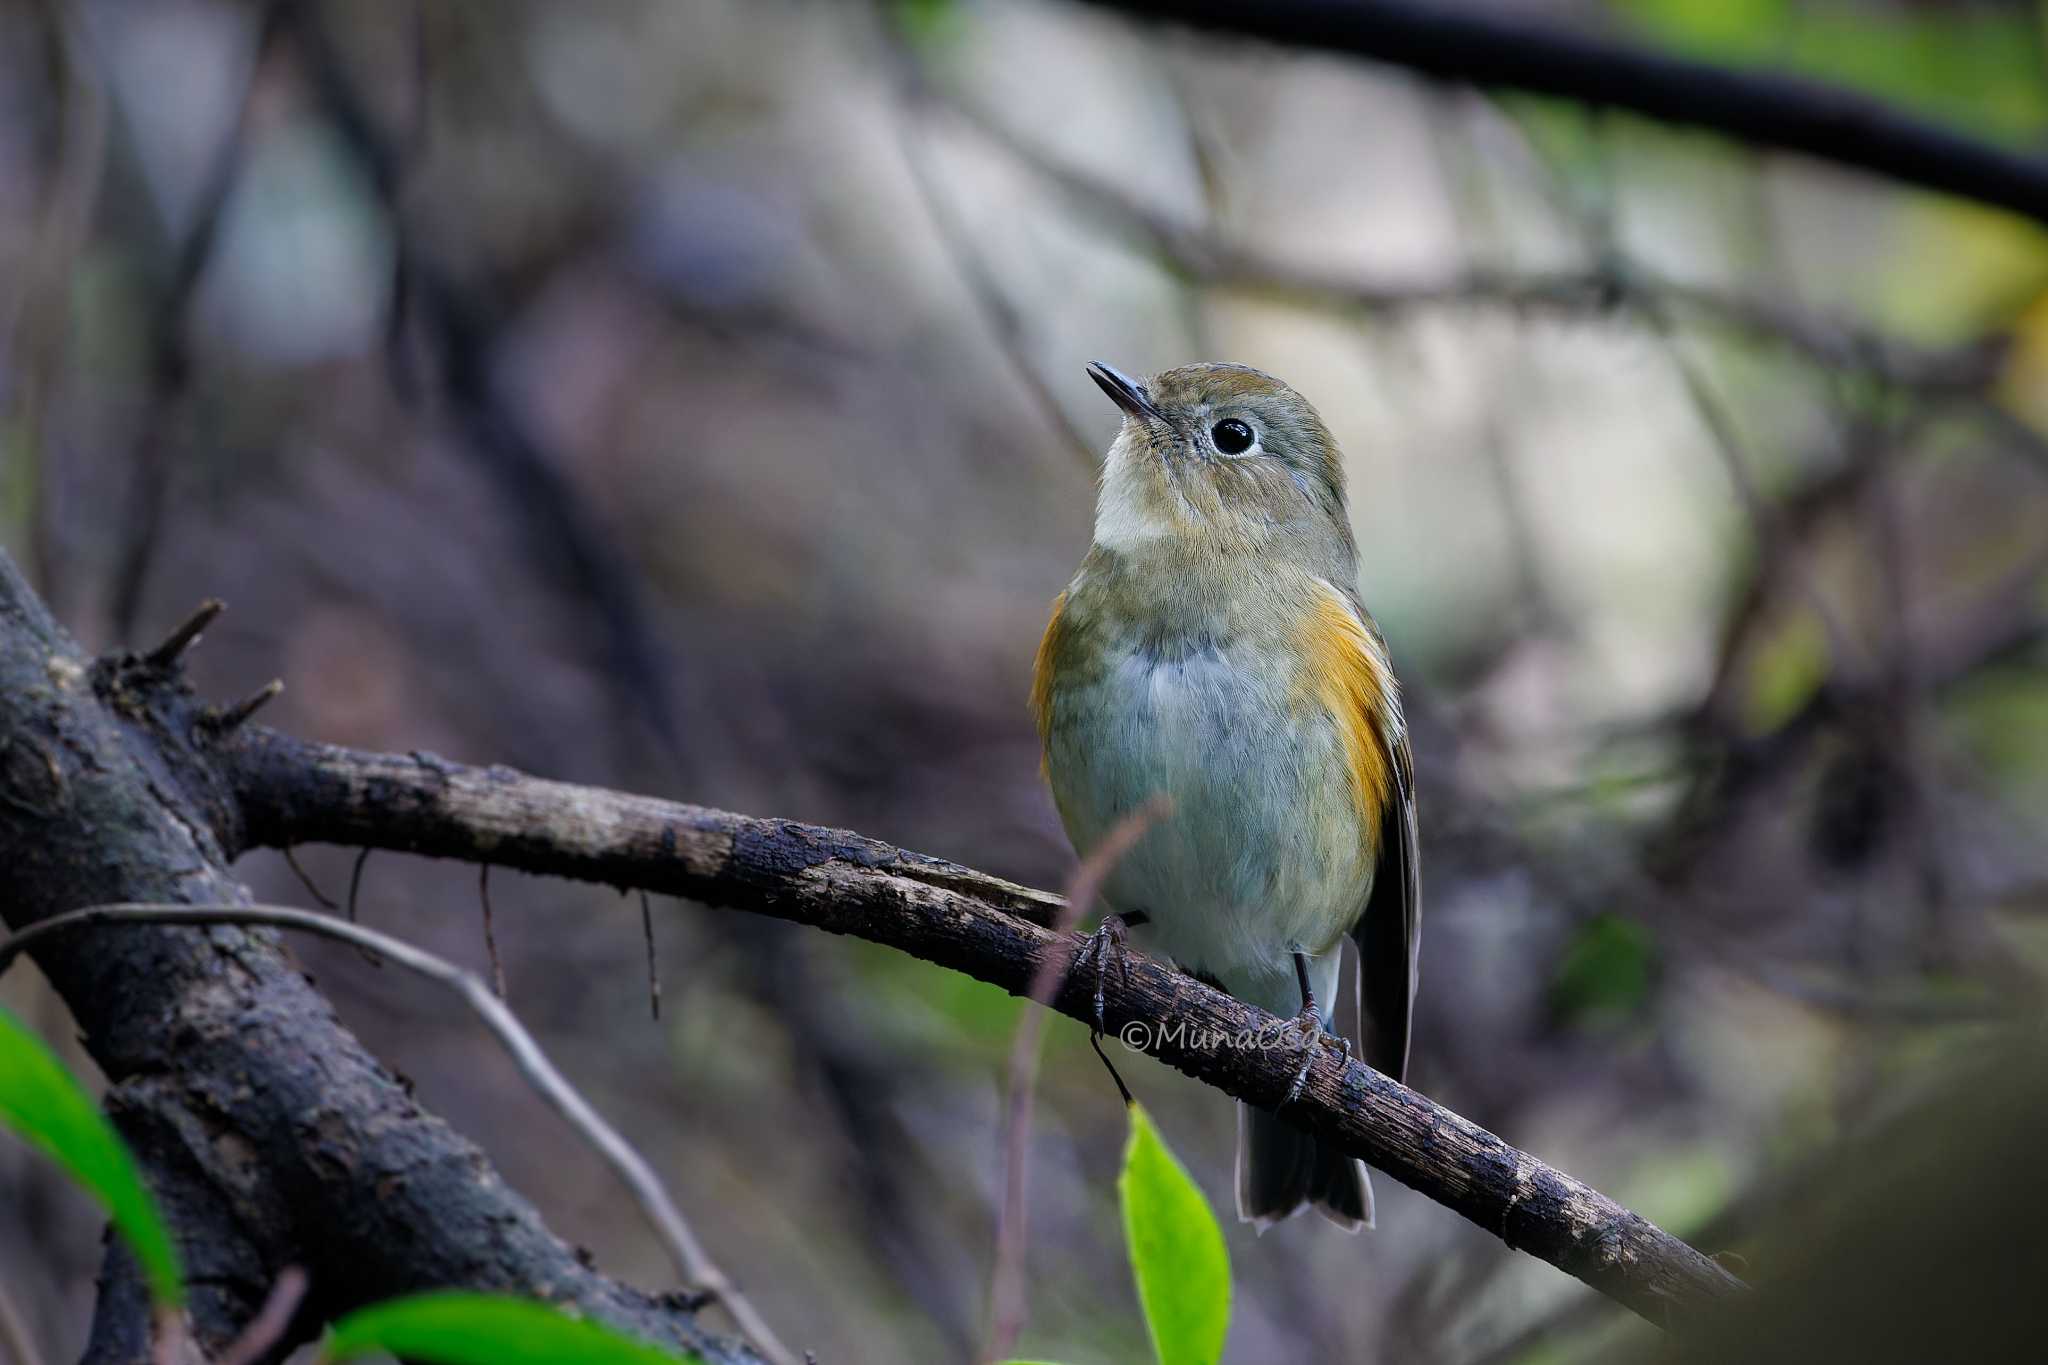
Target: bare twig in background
x=1006, y=1295
x=355, y=882
x=2004, y=629
x=1207, y=153
x=268, y=1327
x=461, y=326
x=653, y=965
x=1800, y=512
x=1503, y=49
x=1474, y=214
x=319, y=897
x=32, y=340
x=1004, y=322
x=691, y=1261
x=290, y=792
x=858, y=1086
x=483, y=895
x=1200, y=255
x=170, y=362
x=1765, y=522
x=15, y=1337
x=355, y=886
x=409, y=148
x=1913, y=743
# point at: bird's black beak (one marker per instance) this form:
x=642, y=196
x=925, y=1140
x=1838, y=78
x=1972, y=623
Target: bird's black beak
x=1124, y=391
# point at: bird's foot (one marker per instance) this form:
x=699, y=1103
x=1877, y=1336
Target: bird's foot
x=1309, y=1024
x=1105, y=948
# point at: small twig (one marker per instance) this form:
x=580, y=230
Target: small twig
x=185, y=636
x=688, y=1255
x=1001, y=316
x=292, y=860
x=653, y=969
x=20, y=1344
x=355, y=884
x=225, y=722
x=268, y=1327
x=483, y=891
x=1006, y=1280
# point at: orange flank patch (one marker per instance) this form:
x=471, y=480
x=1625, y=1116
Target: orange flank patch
x=1350, y=677
x=1047, y=663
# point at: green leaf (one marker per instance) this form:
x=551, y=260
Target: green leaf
x=1177, y=1251
x=1606, y=972
x=453, y=1327
x=40, y=1100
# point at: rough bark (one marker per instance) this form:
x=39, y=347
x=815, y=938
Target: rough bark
x=290, y=792
x=273, y=1137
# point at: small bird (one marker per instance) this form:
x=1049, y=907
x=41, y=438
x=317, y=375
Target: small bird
x=1213, y=649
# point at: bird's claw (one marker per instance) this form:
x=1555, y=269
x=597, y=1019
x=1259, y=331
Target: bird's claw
x=1310, y=1022
x=1102, y=947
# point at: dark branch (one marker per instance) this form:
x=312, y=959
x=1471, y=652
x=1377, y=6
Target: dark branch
x=1483, y=46
x=287, y=792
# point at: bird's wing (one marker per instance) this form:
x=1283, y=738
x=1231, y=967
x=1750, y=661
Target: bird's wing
x=1366, y=702
x=1046, y=666
x=1389, y=933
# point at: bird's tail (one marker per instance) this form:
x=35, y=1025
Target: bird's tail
x=1280, y=1168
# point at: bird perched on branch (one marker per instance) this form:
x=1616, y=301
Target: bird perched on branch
x=1213, y=649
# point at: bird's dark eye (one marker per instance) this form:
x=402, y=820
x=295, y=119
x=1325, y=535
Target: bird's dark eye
x=1231, y=436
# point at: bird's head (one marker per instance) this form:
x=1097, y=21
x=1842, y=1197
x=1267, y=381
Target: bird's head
x=1223, y=460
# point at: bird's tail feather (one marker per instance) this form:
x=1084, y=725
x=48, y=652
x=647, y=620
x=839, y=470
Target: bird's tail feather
x=1280, y=1168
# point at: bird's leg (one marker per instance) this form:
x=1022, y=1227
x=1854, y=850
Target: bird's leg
x=1104, y=946
x=1310, y=1020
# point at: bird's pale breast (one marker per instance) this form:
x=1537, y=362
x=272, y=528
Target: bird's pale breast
x=1244, y=725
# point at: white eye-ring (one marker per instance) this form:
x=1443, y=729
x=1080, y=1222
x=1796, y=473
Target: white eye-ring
x=1232, y=437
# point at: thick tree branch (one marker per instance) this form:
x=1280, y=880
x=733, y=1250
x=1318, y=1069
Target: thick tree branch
x=1483, y=46
x=269, y=1134
x=287, y=791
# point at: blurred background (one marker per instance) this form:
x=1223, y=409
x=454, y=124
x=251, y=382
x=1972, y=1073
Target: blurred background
x=688, y=397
